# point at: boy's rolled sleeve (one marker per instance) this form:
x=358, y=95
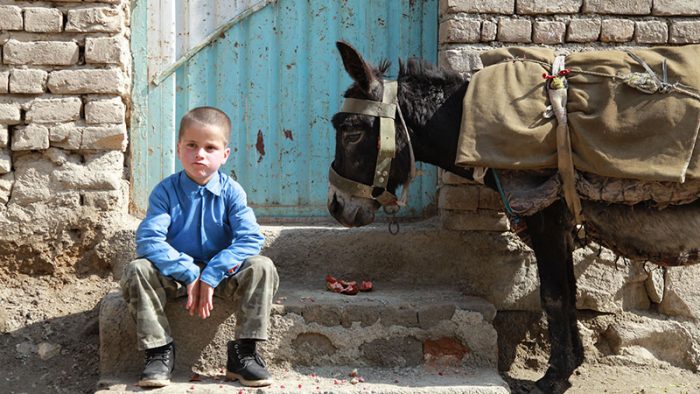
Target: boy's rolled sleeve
x=247, y=241
x=151, y=242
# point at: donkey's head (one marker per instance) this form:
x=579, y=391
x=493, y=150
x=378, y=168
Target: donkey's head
x=363, y=175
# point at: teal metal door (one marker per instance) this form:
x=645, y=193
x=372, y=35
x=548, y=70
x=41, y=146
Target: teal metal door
x=275, y=71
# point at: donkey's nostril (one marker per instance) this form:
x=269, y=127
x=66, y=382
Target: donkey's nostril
x=335, y=207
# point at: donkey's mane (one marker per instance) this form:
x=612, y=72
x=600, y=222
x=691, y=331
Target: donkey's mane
x=418, y=69
x=425, y=88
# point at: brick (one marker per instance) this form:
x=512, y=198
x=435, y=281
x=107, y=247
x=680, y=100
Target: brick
x=54, y=110
x=4, y=136
x=538, y=7
x=103, y=200
x=104, y=161
x=488, y=31
x=10, y=17
x=431, y=316
x=6, y=182
x=399, y=316
x=676, y=7
x=479, y=6
x=5, y=161
x=445, y=351
x=106, y=50
x=364, y=314
x=10, y=113
x=549, y=32
x=685, y=32
x=107, y=137
x=616, y=30
x=109, y=110
x=583, y=30
x=59, y=53
x=449, y=178
x=30, y=137
x=489, y=199
x=460, y=30
x=406, y=351
x=110, y=81
x=43, y=20
x=619, y=7
x=651, y=32
x=28, y=81
x=460, y=60
x=465, y=198
x=66, y=136
x=80, y=179
x=482, y=220
x=95, y=19
x=327, y=315
x=514, y=30
x=4, y=81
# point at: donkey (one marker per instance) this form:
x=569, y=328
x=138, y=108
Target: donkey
x=429, y=108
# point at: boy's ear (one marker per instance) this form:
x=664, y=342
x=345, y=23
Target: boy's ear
x=227, y=152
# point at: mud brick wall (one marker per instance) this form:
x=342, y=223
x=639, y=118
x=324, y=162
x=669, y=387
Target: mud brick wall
x=468, y=27
x=65, y=81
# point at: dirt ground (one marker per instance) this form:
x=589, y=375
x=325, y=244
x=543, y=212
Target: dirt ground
x=49, y=344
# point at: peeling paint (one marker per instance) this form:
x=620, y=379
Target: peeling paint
x=260, y=145
x=288, y=134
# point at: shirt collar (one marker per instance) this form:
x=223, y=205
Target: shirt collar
x=191, y=187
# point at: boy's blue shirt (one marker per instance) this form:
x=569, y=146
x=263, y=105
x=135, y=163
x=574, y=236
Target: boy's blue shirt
x=188, y=223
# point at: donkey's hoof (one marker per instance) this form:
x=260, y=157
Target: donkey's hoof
x=551, y=386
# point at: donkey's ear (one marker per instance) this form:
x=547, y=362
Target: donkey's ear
x=355, y=65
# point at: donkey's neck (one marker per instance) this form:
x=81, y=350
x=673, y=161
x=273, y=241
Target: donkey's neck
x=435, y=123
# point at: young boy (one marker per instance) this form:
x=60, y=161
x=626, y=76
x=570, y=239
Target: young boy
x=200, y=234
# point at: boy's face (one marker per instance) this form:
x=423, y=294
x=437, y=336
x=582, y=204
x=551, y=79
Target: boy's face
x=202, y=150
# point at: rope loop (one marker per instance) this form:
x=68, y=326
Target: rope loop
x=393, y=225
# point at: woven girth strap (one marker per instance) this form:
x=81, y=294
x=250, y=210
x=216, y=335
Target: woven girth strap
x=557, y=97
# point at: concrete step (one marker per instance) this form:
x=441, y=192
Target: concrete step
x=388, y=327
x=421, y=253
x=497, y=267
x=428, y=380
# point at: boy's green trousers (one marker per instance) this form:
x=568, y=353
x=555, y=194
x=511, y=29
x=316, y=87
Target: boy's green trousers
x=250, y=290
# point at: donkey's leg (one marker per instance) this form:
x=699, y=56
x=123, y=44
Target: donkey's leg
x=550, y=231
x=573, y=319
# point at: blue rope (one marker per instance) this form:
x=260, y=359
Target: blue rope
x=509, y=210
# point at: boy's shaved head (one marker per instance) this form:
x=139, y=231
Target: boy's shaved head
x=207, y=116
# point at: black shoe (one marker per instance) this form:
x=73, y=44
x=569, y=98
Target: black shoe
x=245, y=365
x=159, y=364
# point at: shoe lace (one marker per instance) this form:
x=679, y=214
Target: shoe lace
x=245, y=354
x=158, y=355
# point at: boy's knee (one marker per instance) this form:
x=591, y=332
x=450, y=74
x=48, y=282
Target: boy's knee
x=261, y=263
x=138, y=267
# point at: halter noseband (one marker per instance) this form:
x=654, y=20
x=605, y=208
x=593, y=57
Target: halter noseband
x=386, y=112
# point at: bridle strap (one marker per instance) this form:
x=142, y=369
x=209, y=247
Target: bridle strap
x=386, y=111
x=411, y=175
x=358, y=189
x=368, y=107
x=387, y=138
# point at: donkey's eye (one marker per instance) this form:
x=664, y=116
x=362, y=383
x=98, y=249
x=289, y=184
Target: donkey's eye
x=352, y=137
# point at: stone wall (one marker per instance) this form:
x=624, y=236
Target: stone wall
x=605, y=285
x=64, y=100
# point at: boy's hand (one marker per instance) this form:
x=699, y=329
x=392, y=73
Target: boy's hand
x=192, y=297
x=206, y=301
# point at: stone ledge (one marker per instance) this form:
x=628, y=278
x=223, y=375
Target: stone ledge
x=298, y=337
x=335, y=379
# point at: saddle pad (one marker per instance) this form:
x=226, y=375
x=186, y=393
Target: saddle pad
x=616, y=130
